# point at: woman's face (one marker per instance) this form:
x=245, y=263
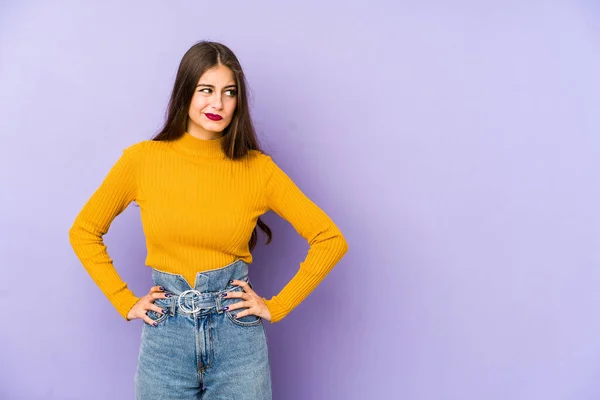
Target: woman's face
x=215, y=96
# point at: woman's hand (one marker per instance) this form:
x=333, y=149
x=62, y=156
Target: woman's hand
x=147, y=303
x=253, y=302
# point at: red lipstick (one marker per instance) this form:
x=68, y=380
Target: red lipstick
x=213, y=117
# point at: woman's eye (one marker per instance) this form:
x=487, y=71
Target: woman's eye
x=231, y=92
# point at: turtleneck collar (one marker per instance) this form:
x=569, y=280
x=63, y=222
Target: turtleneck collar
x=200, y=147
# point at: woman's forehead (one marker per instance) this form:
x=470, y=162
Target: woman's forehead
x=217, y=76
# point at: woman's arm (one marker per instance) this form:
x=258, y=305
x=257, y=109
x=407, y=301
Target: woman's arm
x=327, y=243
x=112, y=197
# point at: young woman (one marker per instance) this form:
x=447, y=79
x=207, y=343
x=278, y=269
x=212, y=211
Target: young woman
x=202, y=184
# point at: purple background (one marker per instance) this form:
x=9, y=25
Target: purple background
x=455, y=143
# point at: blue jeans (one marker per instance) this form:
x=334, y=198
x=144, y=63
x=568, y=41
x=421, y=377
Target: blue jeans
x=197, y=350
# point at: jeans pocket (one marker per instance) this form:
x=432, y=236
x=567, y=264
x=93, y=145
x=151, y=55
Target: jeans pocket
x=247, y=320
x=156, y=316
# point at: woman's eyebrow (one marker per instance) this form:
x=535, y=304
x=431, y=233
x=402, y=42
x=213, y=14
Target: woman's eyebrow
x=205, y=84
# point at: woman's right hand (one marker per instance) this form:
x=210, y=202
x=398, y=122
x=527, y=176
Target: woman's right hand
x=147, y=303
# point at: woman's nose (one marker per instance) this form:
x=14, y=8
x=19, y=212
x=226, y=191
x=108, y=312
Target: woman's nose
x=217, y=103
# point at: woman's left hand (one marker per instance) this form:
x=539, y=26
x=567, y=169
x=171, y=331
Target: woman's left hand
x=253, y=303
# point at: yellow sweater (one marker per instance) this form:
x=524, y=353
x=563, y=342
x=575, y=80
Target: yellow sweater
x=198, y=209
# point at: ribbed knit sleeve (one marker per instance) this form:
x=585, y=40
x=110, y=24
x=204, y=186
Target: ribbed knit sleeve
x=117, y=190
x=327, y=244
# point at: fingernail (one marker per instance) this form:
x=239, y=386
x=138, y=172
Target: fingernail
x=224, y=294
x=168, y=295
x=154, y=323
x=226, y=308
x=161, y=288
x=231, y=281
x=164, y=311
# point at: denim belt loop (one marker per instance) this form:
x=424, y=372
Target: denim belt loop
x=172, y=308
x=219, y=305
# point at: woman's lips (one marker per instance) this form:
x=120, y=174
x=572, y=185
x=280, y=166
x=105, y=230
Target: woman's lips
x=213, y=117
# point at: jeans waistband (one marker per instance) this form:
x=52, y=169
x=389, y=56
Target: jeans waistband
x=207, y=291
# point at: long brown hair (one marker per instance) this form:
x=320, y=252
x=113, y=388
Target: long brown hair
x=239, y=136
